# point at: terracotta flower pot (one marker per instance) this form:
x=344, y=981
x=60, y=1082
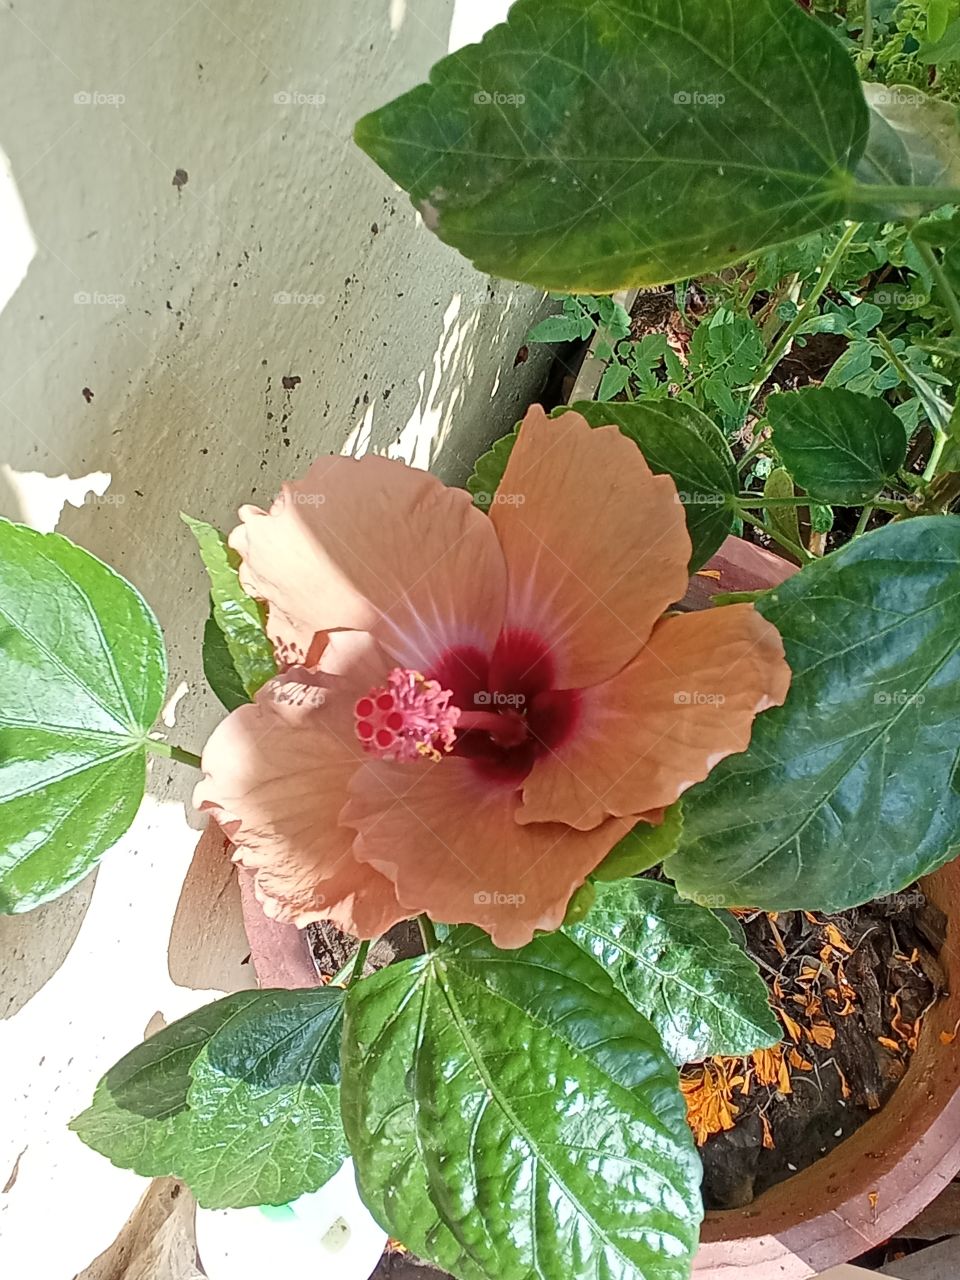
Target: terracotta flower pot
x=876, y=1181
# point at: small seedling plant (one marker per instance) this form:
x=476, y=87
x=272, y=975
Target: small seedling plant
x=412, y=715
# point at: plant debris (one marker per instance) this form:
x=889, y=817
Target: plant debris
x=851, y=991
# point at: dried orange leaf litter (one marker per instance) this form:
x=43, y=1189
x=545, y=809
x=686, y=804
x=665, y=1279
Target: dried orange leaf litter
x=710, y=1088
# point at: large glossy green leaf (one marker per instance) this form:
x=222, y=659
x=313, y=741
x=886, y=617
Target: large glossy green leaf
x=82, y=677
x=643, y=847
x=839, y=445
x=852, y=788
x=237, y=615
x=677, y=964
x=589, y=147
x=240, y=1099
x=511, y=1115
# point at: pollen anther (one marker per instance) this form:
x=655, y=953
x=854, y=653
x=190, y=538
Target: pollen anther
x=409, y=718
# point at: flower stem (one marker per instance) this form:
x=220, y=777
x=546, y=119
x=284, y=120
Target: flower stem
x=802, y=554
x=936, y=453
x=359, y=962
x=173, y=752
x=427, y=933
x=864, y=520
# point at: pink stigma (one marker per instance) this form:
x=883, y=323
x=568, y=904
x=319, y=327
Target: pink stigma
x=407, y=719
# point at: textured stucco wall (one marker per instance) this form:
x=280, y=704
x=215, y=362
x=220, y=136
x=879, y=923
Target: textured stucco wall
x=146, y=348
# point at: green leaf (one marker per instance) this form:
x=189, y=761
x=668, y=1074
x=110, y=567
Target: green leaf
x=240, y=1099
x=616, y=378
x=488, y=471
x=221, y=674
x=938, y=19
x=678, y=440
x=511, y=1115
x=727, y=347
x=914, y=140
x=629, y=143
x=561, y=328
x=943, y=47
x=82, y=677
x=678, y=965
x=238, y=616
x=643, y=847
x=848, y=791
x=581, y=902
x=783, y=520
x=840, y=446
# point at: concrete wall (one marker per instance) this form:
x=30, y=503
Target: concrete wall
x=202, y=229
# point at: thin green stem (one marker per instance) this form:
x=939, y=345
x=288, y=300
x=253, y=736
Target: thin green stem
x=173, y=753
x=785, y=341
x=864, y=520
x=937, y=409
x=427, y=933
x=867, y=37
x=936, y=453
x=933, y=197
x=359, y=961
x=737, y=597
x=940, y=276
x=795, y=550
x=757, y=500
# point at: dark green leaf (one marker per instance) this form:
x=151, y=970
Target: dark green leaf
x=840, y=446
x=511, y=1115
x=678, y=965
x=238, y=616
x=643, y=847
x=628, y=143
x=240, y=1099
x=82, y=678
x=844, y=792
x=218, y=667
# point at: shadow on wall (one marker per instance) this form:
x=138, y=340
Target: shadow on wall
x=225, y=287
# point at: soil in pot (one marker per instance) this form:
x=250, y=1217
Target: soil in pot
x=851, y=990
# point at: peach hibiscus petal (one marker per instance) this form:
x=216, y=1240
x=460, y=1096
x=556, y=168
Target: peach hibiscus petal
x=596, y=545
x=688, y=700
x=371, y=544
x=276, y=776
x=450, y=842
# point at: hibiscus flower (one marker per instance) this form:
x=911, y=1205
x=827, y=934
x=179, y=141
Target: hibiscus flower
x=475, y=708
